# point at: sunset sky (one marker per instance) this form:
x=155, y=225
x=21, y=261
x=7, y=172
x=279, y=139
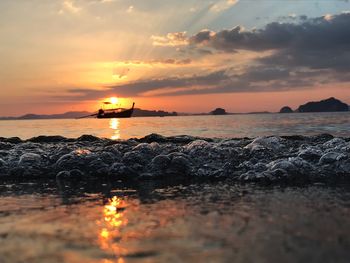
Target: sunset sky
x=186, y=56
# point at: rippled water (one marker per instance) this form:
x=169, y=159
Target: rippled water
x=150, y=222
x=242, y=125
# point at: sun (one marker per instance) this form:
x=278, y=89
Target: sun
x=114, y=100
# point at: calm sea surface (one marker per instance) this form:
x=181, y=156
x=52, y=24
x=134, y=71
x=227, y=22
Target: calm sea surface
x=241, y=125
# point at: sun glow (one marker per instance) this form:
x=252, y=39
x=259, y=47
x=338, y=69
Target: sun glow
x=114, y=100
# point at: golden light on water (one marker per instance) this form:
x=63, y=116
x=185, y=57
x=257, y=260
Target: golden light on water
x=114, y=125
x=113, y=219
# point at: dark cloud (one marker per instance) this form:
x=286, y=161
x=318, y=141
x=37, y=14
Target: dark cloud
x=322, y=42
x=257, y=74
x=316, y=33
x=255, y=79
x=140, y=87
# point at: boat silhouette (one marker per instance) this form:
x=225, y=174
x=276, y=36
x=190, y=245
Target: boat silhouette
x=112, y=113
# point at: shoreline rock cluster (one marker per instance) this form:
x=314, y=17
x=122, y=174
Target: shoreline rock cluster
x=263, y=159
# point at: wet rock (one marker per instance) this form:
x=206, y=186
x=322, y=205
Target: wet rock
x=29, y=165
x=294, y=137
x=195, y=145
x=186, y=139
x=329, y=157
x=63, y=175
x=334, y=143
x=277, y=175
x=232, y=143
x=6, y=146
x=47, y=139
x=345, y=148
x=30, y=159
x=74, y=174
x=310, y=153
x=135, y=158
x=252, y=176
x=109, y=158
x=98, y=167
x=259, y=167
x=271, y=159
x=2, y=163
x=153, y=138
x=3, y=168
x=120, y=170
x=282, y=169
x=77, y=159
x=261, y=143
x=3, y=153
x=14, y=140
x=179, y=165
x=160, y=163
x=344, y=166
x=303, y=167
x=116, y=150
x=88, y=138
x=147, y=148
x=321, y=138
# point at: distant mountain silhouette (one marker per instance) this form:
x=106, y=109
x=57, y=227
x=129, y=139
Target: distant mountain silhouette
x=31, y=116
x=331, y=104
x=286, y=109
x=218, y=111
x=151, y=113
x=77, y=114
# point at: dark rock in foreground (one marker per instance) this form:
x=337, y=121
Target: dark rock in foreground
x=266, y=159
x=327, y=105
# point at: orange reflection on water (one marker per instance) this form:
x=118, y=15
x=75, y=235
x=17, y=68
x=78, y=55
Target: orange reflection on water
x=113, y=219
x=114, y=125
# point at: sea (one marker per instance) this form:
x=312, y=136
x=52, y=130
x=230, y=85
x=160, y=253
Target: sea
x=224, y=126
x=103, y=220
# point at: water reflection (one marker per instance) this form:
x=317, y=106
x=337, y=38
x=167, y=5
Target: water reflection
x=207, y=222
x=114, y=125
x=113, y=220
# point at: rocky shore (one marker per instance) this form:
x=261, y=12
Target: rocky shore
x=263, y=159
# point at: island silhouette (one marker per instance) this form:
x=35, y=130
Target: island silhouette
x=328, y=105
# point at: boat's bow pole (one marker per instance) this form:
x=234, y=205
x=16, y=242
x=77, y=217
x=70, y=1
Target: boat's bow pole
x=90, y=115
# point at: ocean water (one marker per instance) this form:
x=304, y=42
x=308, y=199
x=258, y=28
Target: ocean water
x=228, y=126
x=105, y=222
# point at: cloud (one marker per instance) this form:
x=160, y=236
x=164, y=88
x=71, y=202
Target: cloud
x=69, y=6
x=154, y=62
x=138, y=88
x=255, y=79
x=319, y=43
x=223, y=5
x=122, y=69
x=130, y=9
x=171, y=39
